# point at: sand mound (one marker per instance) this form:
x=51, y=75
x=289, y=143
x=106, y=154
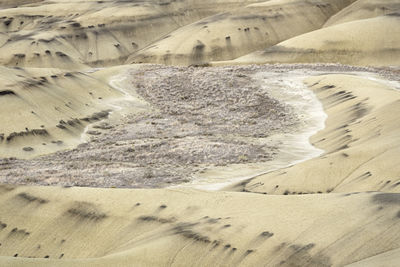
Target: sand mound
x=231, y=34
x=360, y=141
x=71, y=34
x=103, y=227
x=44, y=110
x=364, y=9
x=373, y=41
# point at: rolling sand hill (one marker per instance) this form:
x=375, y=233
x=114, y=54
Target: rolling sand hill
x=45, y=110
x=59, y=74
x=69, y=34
x=364, y=9
x=103, y=227
x=232, y=34
x=361, y=137
x=357, y=42
x=363, y=33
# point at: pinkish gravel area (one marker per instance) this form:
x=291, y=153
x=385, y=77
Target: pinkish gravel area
x=203, y=117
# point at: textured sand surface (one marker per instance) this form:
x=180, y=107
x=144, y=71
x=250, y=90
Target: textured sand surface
x=196, y=124
x=233, y=228
x=70, y=34
x=387, y=259
x=361, y=137
x=373, y=42
x=364, y=9
x=103, y=227
x=63, y=89
x=236, y=33
x=45, y=110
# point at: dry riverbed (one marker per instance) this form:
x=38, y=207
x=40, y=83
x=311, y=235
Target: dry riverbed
x=200, y=118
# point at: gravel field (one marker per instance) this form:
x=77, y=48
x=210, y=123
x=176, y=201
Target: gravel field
x=201, y=117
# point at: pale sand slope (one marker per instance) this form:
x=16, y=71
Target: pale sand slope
x=40, y=107
x=374, y=41
x=387, y=259
x=364, y=9
x=117, y=227
x=70, y=34
x=232, y=34
x=361, y=141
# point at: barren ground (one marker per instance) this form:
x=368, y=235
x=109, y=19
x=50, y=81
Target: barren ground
x=201, y=118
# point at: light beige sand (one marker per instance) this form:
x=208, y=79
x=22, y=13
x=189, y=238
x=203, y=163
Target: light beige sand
x=273, y=223
x=16, y=3
x=103, y=227
x=232, y=34
x=374, y=42
x=387, y=259
x=364, y=9
x=361, y=141
x=41, y=107
x=70, y=34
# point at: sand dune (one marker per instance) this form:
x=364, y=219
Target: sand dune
x=360, y=141
x=373, y=42
x=232, y=34
x=105, y=227
x=364, y=9
x=45, y=36
x=45, y=110
x=60, y=72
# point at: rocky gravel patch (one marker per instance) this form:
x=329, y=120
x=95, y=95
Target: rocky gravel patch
x=202, y=117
